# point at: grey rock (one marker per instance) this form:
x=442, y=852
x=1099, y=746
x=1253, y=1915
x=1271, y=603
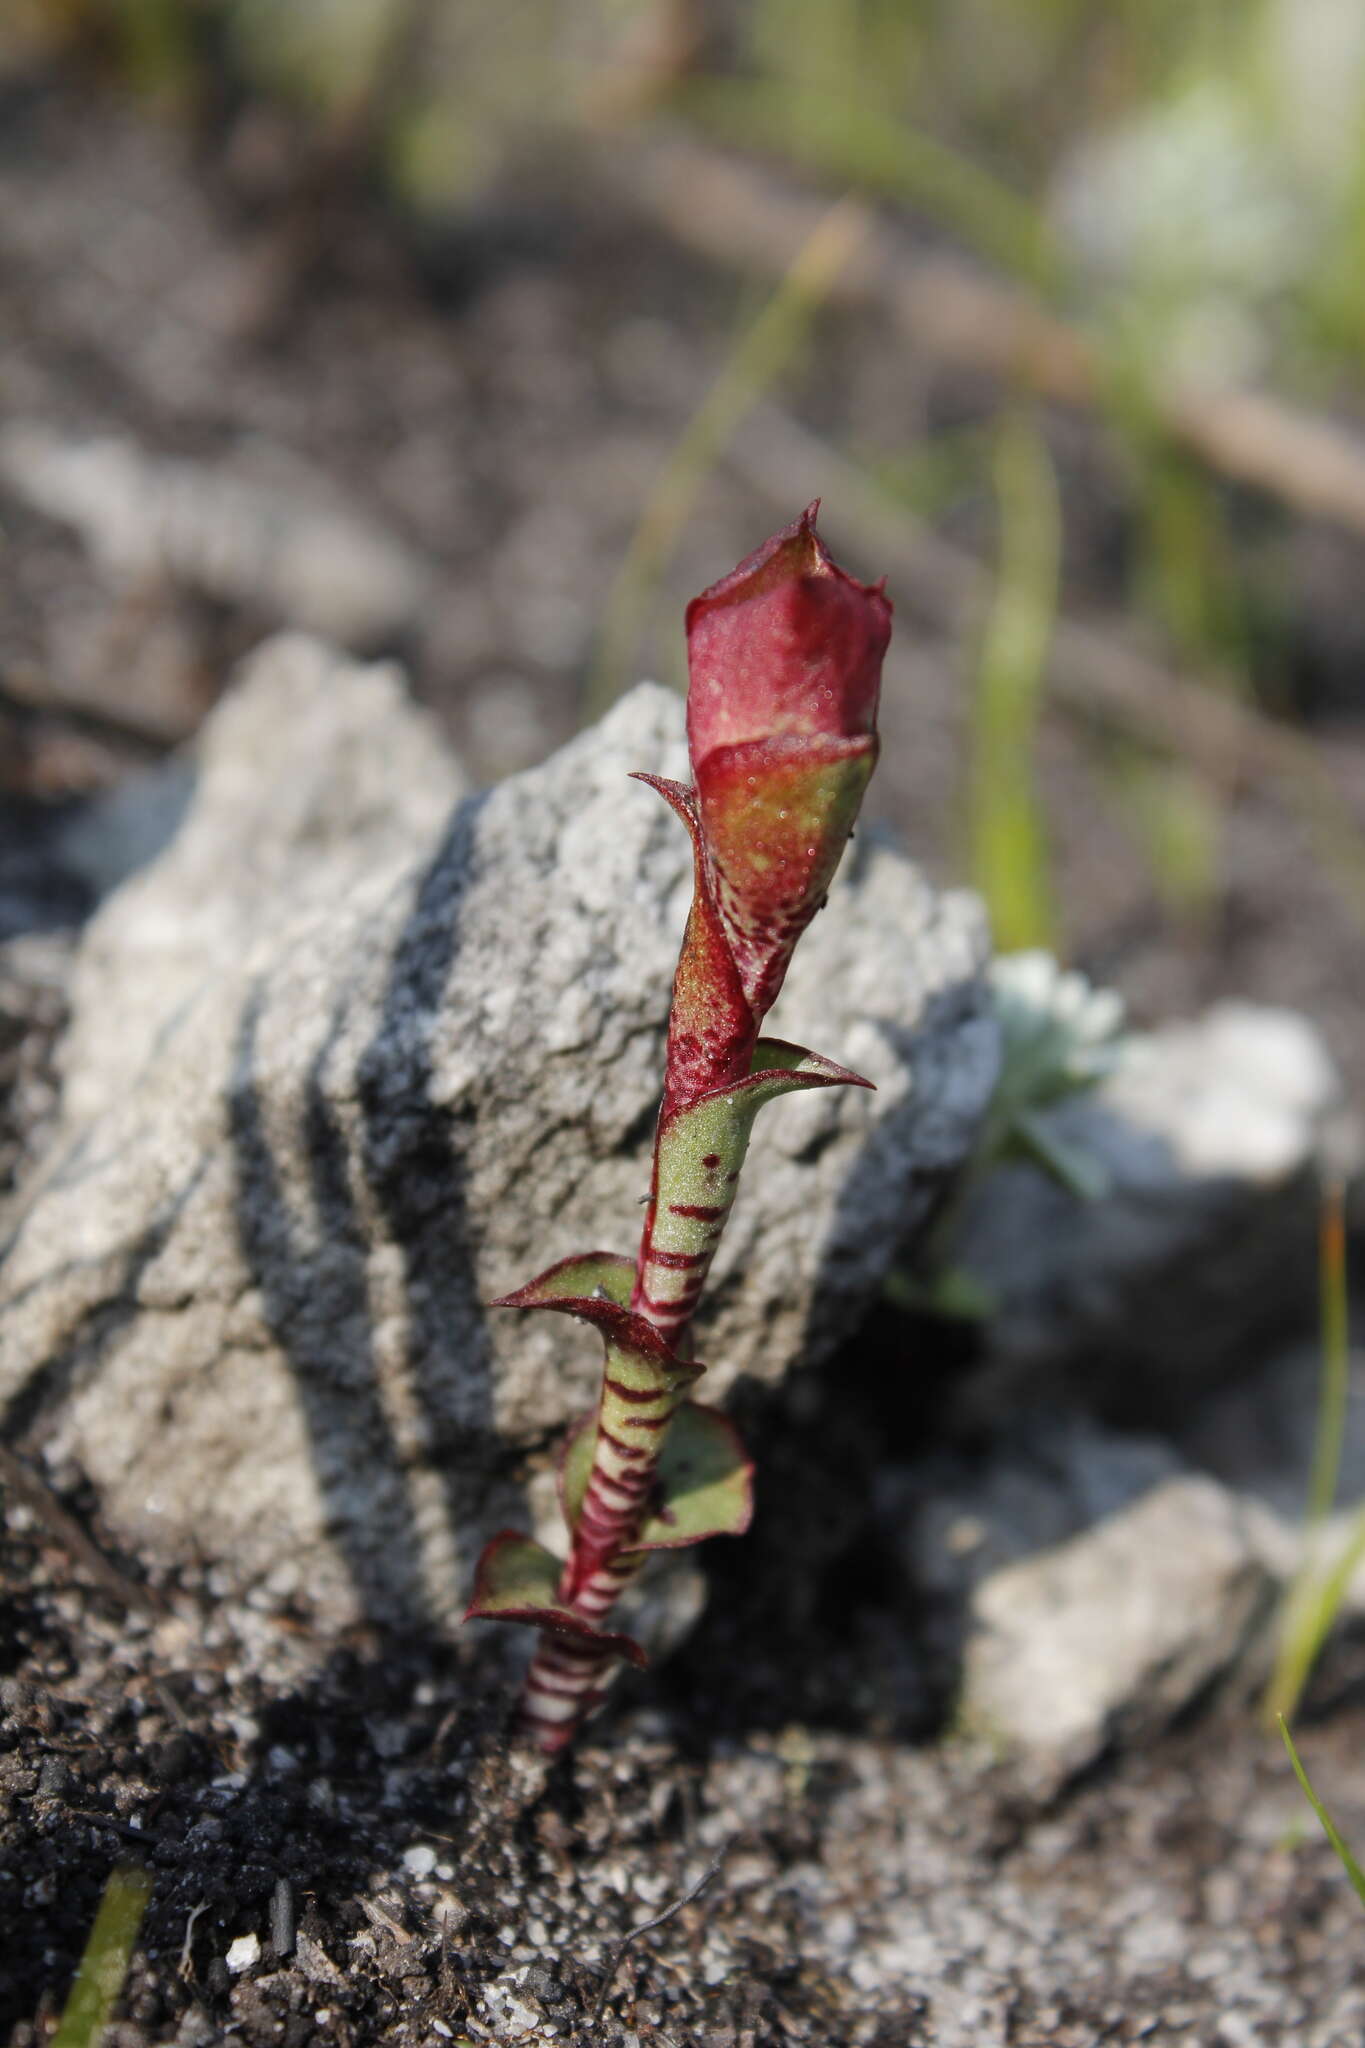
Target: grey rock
x=34, y=973
x=1200, y=1255
x=957, y=1517
x=56, y=862
x=317, y=782
x=1259, y=1436
x=1084, y=1585
x=351, y=1058
x=1111, y=1634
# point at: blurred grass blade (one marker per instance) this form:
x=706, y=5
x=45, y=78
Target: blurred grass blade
x=1009, y=858
x=1348, y=1861
x=1311, y=1604
x=850, y=141
x=1178, y=814
x=1310, y=1619
x=1334, y=1385
x=1186, y=573
x=108, y=1952
x=1081, y=1174
x=757, y=358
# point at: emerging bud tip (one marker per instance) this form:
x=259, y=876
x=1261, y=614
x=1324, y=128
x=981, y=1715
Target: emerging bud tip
x=786, y=645
x=785, y=662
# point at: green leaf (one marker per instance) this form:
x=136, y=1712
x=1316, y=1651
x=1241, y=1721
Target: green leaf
x=608, y=1280
x=606, y=1275
x=705, y=1482
x=1329, y=1828
x=1077, y=1172
x=954, y=1294
x=575, y=1466
x=1007, y=819
x=518, y=1580
x=515, y=1570
x=702, y=1146
x=791, y=1066
x=104, y=1966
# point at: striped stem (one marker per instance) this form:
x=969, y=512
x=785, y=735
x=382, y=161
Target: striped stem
x=565, y=1682
x=699, y=1152
x=784, y=658
x=637, y=1406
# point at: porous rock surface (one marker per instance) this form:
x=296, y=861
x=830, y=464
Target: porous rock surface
x=1085, y=1584
x=1115, y=1632
x=353, y=1056
x=1201, y=1252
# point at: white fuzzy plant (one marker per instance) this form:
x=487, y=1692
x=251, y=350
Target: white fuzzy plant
x=1060, y=1037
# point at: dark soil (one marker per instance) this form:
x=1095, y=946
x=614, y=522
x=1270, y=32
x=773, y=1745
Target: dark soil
x=351, y=1806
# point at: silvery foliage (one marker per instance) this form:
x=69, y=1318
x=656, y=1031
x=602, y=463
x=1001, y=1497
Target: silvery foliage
x=1060, y=1036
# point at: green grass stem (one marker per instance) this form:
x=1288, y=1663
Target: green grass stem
x=1334, y=1386
x=1009, y=856
x=104, y=1966
x=1315, y=1596
x=1177, y=814
x=1329, y=1827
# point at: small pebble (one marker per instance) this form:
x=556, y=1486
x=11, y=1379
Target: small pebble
x=420, y=1860
x=243, y=1954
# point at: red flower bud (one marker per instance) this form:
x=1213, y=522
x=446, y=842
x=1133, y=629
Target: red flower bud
x=785, y=657
x=786, y=644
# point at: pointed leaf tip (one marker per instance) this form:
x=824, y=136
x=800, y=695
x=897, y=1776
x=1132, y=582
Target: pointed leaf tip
x=679, y=796
x=606, y=1276
x=596, y=1287
x=518, y=1580
x=777, y=1057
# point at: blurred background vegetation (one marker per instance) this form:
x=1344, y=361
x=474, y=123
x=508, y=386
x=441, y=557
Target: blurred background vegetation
x=1058, y=304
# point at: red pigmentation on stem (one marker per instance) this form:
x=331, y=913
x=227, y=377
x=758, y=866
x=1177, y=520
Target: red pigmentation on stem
x=785, y=658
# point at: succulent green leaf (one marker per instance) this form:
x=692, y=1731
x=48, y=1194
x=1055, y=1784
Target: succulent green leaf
x=723, y=1118
x=705, y=1482
x=776, y=1060
x=587, y=1274
x=575, y=1467
x=775, y=815
x=1076, y=1171
x=702, y=1147
x=518, y=1580
x=633, y=1344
